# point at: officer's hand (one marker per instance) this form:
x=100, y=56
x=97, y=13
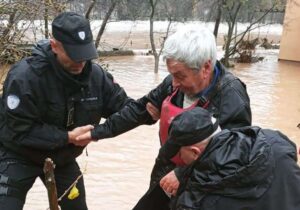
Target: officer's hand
x=170, y=183
x=77, y=132
x=153, y=111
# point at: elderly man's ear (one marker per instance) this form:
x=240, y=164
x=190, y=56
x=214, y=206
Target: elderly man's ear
x=196, y=151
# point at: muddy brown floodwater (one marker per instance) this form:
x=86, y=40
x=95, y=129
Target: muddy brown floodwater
x=117, y=170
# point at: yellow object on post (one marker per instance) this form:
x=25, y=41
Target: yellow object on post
x=74, y=193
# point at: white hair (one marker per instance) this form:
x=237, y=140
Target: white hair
x=192, y=46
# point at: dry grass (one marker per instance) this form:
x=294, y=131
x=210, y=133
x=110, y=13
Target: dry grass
x=3, y=73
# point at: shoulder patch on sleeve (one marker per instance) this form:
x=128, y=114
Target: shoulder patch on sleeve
x=13, y=101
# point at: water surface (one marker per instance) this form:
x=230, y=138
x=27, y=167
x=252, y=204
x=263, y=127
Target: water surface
x=117, y=170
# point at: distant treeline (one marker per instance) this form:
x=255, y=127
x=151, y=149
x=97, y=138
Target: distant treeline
x=185, y=10
x=15, y=32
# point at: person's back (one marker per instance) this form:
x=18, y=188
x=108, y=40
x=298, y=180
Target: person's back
x=243, y=169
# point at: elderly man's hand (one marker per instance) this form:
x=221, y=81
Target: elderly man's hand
x=80, y=131
x=153, y=111
x=170, y=183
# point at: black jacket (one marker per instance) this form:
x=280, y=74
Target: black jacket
x=228, y=100
x=52, y=102
x=243, y=169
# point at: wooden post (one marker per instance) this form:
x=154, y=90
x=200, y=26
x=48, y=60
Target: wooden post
x=46, y=17
x=50, y=184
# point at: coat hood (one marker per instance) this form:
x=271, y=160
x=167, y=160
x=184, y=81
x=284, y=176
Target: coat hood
x=43, y=59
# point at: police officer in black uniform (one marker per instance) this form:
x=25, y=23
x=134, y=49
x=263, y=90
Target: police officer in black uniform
x=48, y=100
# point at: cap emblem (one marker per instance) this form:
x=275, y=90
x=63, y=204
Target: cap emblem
x=81, y=35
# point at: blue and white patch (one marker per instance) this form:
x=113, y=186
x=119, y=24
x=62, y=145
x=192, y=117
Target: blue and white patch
x=81, y=35
x=213, y=120
x=13, y=101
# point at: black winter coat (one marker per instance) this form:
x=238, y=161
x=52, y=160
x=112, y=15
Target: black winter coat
x=243, y=169
x=53, y=102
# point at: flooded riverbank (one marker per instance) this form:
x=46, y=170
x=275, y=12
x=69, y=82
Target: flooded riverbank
x=117, y=170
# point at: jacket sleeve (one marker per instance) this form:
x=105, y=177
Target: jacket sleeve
x=235, y=106
x=115, y=97
x=133, y=114
x=23, y=124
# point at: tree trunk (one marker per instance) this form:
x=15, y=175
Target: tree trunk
x=231, y=23
x=46, y=16
x=156, y=64
x=218, y=19
x=153, y=48
x=194, y=8
x=104, y=22
x=227, y=44
x=89, y=10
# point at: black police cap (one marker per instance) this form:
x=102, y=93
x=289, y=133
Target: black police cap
x=74, y=32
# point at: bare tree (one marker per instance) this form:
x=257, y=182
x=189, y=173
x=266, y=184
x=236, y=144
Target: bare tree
x=231, y=10
x=157, y=53
x=46, y=17
x=21, y=28
x=153, y=4
x=89, y=10
x=218, y=17
x=105, y=20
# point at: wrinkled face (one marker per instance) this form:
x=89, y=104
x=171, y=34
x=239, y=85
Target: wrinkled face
x=188, y=80
x=67, y=63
